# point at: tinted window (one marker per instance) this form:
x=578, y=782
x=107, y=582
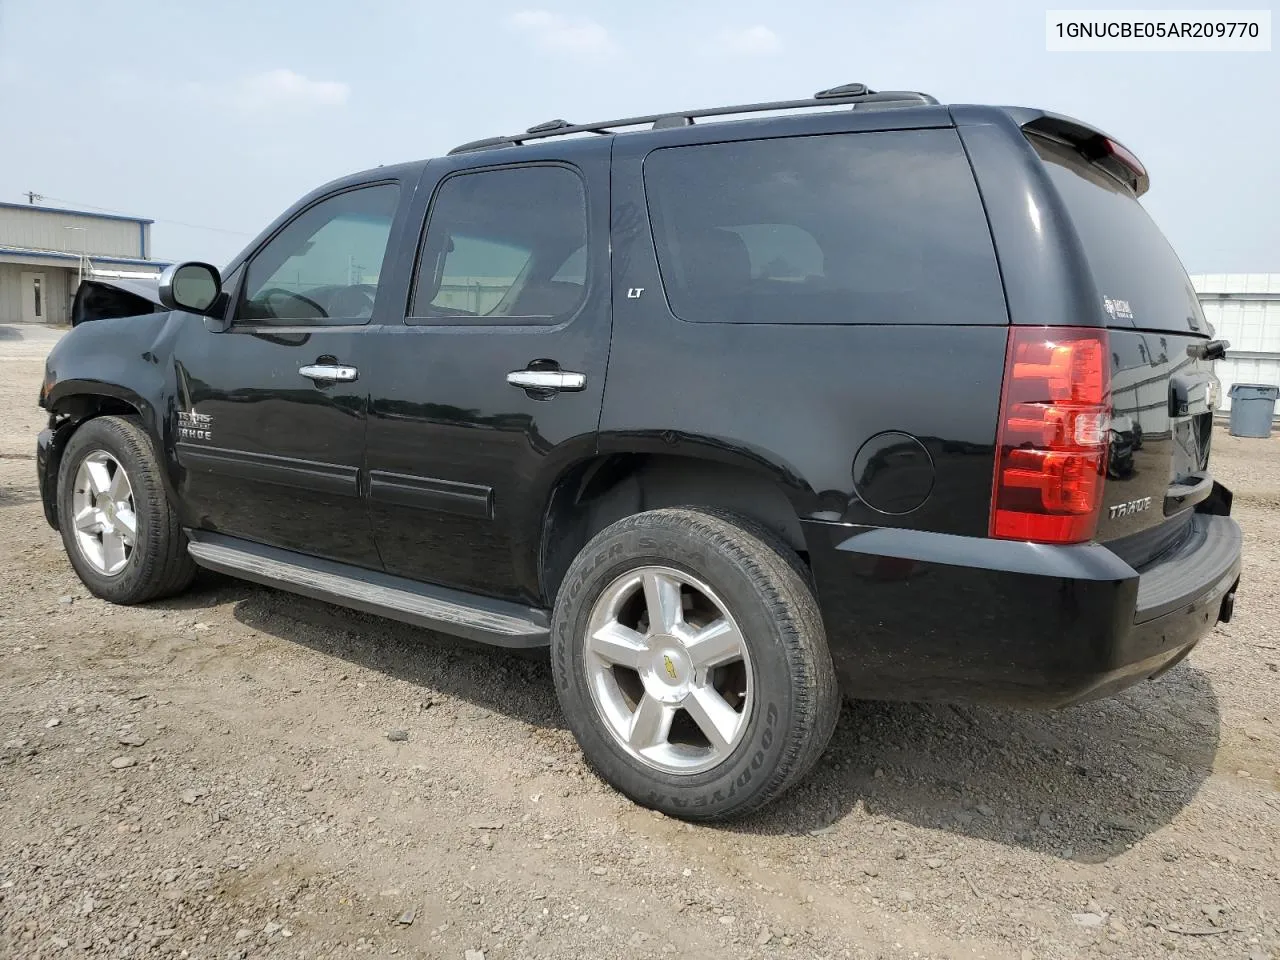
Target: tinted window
x=781, y=251
x=326, y=263
x=574, y=269
x=1140, y=278
x=501, y=244
x=851, y=228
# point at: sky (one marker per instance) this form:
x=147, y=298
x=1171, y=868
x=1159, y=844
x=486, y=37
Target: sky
x=213, y=118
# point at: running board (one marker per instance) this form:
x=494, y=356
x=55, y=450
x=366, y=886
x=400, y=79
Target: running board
x=484, y=620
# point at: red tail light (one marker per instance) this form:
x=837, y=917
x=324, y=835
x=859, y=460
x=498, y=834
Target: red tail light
x=1051, y=451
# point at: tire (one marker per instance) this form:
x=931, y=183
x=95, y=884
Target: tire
x=720, y=562
x=156, y=563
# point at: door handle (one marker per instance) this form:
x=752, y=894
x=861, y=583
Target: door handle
x=550, y=381
x=329, y=372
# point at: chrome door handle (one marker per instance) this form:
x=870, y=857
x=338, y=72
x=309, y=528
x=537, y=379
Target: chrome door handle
x=329, y=373
x=553, y=380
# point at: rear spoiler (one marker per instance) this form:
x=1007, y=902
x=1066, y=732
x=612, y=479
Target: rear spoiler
x=1093, y=145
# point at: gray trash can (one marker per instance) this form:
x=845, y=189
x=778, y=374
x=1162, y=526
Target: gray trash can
x=1252, y=407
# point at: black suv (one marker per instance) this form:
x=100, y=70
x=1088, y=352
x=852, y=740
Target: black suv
x=863, y=394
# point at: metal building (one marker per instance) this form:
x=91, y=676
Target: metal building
x=46, y=251
x=1244, y=309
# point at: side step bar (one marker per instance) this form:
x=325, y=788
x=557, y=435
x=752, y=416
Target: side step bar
x=484, y=620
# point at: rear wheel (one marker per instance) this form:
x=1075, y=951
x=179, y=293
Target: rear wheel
x=691, y=662
x=119, y=530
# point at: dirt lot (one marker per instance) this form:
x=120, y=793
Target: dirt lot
x=213, y=777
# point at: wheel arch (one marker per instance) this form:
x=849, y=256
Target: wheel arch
x=73, y=404
x=592, y=494
x=83, y=401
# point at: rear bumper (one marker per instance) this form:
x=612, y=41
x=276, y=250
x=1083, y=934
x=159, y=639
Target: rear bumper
x=923, y=616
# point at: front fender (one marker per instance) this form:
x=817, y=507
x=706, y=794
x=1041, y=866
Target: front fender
x=112, y=366
x=123, y=358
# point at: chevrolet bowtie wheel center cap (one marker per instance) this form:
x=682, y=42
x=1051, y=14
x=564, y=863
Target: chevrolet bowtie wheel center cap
x=669, y=673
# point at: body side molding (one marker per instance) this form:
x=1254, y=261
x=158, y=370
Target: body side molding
x=282, y=471
x=429, y=493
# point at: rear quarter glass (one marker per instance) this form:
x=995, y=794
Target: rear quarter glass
x=1139, y=278
x=881, y=227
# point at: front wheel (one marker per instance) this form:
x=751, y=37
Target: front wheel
x=691, y=662
x=119, y=530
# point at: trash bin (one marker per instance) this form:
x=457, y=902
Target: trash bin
x=1252, y=406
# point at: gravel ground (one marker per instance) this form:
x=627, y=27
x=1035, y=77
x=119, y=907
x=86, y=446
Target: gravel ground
x=239, y=773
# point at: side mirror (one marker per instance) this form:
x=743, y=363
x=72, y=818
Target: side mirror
x=193, y=286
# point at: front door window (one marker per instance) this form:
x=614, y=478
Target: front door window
x=326, y=264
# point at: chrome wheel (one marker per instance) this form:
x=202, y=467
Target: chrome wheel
x=106, y=526
x=668, y=670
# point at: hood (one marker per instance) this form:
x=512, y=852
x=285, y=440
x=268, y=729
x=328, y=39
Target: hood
x=100, y=298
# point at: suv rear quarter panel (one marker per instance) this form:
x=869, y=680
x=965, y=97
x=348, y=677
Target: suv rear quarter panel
x=1059, y=264
x=794, y=401
x=1046, y=275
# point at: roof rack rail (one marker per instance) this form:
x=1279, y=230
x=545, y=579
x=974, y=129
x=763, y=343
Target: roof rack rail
x=548, y=126
x=844, y=90
x=852, y=93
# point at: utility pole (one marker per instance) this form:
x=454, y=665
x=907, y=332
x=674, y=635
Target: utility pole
x=33, y=197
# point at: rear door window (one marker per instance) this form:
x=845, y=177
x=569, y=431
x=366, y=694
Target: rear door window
x=1140, y=279
x=477, y=274
x=498, y=248
x=848, y=228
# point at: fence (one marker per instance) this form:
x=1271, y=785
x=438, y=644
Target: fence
x=1244, y=309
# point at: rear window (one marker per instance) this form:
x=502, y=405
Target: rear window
x=1140, y=279
x=848, y=228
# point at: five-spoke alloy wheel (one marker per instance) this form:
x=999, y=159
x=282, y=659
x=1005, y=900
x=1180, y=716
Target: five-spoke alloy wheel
x=119, y=530
x=691, y=662
x=669, y=670
x=106, y=525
